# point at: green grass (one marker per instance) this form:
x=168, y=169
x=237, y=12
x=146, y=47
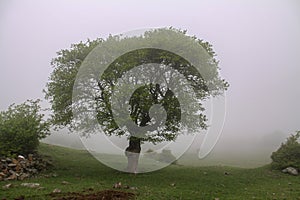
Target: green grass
x=83, y=171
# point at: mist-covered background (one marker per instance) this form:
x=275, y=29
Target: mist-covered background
x=257, y=43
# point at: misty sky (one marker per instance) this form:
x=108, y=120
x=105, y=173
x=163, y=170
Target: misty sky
x=257, y=43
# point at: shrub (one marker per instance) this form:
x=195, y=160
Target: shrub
x=21, y=128
x=167, y=156
x=288, y=154
x=151, y=154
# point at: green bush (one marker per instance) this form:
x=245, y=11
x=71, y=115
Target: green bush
x=288, y=154
x=21, y=128
x=165, y=156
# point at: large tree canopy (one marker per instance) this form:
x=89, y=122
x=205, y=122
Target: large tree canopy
x=61, y=81
x=162, y=77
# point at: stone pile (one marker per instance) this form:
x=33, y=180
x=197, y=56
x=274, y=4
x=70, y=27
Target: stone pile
x=20, y=168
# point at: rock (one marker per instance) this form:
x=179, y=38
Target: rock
x=23, y=176
x=32, y=171
x=117, y=185
x=12, y=165
x=7, y=186
x=5, y=171
x=15, y=161
x=31, y=185
x=173, y=184
x=12, y=177
x=21, y=168
x=291, y=171
x=284, y=170
x=65, y=183
x=21, y=157
x=56, y=190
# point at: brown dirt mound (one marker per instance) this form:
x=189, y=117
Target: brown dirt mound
x=101, y=195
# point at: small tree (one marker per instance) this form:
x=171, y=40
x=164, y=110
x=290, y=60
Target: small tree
x=21, y=128
x=288, y=154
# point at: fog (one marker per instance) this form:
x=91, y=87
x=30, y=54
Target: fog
x=257, y=43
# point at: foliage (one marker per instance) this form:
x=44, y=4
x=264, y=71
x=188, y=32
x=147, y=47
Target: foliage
x=66, y=66
x=21, y=128
x=60, y=86
x=288, y=154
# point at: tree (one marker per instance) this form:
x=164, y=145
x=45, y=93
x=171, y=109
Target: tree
x=21, y=128
x=157, y=111
x=288, y=154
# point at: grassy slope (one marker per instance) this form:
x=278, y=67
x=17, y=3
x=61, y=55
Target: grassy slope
x=83, y=171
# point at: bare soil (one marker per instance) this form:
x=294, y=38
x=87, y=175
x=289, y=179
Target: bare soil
x=100, y=195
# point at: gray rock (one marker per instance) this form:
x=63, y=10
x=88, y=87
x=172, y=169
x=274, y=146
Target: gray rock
x=31, y=185
x=56, y=190
x=284, y=170
x=22, y=168
x=290, y=170
x=23, y=176
x=11, y=165
x=7, y=186
x=65, y=183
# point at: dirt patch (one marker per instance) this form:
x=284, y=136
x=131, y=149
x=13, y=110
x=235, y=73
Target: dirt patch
x=100, y=195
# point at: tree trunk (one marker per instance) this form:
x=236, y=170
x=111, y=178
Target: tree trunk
x=133, y=153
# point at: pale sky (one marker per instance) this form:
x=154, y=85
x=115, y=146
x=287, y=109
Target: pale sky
x=257, y=43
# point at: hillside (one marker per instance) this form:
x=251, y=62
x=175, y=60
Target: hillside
x=77, y=170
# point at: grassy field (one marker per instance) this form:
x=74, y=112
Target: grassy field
x=83, y=172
